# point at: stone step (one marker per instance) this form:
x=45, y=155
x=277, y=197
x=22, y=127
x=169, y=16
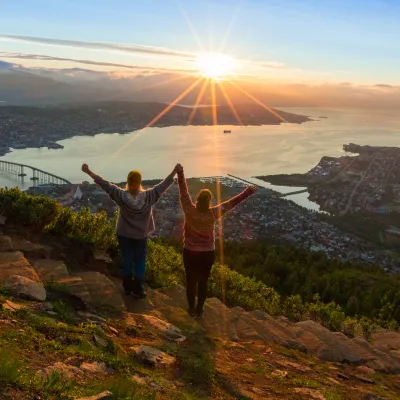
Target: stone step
x=102, y=291
x=50, y=270
x=14, y=263
x=76, y=286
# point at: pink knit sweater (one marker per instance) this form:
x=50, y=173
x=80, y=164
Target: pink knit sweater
x=199, y=230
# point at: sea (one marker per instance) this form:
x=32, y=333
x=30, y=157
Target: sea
x=205, y=151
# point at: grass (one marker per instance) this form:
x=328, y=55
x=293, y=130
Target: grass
x=196, y=361
x=10, y=368
x=306, y=383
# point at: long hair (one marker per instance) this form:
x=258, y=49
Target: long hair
x=134, y=183
x=203, y=200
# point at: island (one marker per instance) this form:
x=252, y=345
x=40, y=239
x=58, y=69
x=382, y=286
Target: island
x=42, y=126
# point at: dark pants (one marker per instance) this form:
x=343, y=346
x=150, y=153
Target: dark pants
x=133, y=252
x=198, y=266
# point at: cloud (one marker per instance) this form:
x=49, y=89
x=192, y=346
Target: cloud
x=120, y=47
x=384, y=86
x=88, y=62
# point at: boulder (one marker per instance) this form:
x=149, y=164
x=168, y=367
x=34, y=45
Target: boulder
x=310, y=393
x=68, y=371
x=50, y=270
x=96, y=367
x=324, y=344
x=11, y=306
x=100, y=262
x=75, y=286
x=168, y=330
x=14, y=263
x=25, y=288
x=101, y=396
x=153, y=357
x=31, y=250
x=373, y=357
x=6, y=243
x=102, y=291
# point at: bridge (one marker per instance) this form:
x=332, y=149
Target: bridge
x=38, y=175
x=280, y=194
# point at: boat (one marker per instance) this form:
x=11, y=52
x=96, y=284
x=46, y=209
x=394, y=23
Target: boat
x=227, y=131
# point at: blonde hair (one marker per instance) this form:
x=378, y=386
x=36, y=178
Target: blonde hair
x=134, y=182
x=203, y=200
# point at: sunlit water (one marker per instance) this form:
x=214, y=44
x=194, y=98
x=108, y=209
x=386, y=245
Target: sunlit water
x=207, y=151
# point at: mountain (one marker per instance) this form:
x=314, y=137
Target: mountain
x=67, y=330
x=18, y=86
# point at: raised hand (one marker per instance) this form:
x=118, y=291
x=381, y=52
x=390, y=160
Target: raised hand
x=178, y=168
x=253, y=188
x=85, y=168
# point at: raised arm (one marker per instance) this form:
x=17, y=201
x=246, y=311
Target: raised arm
x=157, y=191
x=223, y=208
x=184, y=196
x=114, y=191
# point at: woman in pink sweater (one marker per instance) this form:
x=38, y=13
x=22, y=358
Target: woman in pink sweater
x=199, y=238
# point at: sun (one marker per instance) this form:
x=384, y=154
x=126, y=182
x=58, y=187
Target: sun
x=215, y=66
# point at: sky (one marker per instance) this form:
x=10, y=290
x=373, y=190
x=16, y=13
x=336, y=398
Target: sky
x=326, y=41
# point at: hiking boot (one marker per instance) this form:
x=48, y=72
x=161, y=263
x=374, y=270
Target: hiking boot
x=192, y=312
x=139, y=295
x=199, y=313
x=138, y=289
x=127, y=283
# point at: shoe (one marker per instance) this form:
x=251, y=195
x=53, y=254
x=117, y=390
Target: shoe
x=138, y=289
x=127, y=283
x=199, y=313
x=192, y=312
x=139, y=295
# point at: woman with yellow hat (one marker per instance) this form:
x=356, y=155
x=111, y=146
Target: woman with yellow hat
x=135, y=222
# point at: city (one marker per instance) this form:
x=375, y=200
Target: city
x=266, y=216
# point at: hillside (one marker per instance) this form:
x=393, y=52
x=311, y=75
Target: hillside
x=95, y=340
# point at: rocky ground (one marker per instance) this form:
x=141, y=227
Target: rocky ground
x=69, y=333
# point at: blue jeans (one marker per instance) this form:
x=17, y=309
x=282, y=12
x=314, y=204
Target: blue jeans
x=134, y=252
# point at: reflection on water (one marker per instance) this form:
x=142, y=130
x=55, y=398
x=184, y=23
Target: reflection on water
x=206, y=151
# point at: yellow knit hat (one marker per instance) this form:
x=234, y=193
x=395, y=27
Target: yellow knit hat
x=134, y=178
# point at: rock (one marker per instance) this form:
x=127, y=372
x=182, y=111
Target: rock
x=371, y=396
x=11, y=306
x=365, y=370
x=365, y=379
x=31, y=250
x=374, y=357
x=279, y=373
x=14, y=263
x=297, y=367
x=102, y=396
x=102, y=291
x=76, y=287
x=310, y=393
x=3, y=220
x=6, y=243
x=153, y=357
x=45, y=306
x=50, y=270
x=324, y=344
x=90, y=316
x=100, y=341
x=112, y=330
x=100, y=262
x=68, y=371
x=168, y=330
x=25, y=288
x=96, y=367
x=342, y=376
